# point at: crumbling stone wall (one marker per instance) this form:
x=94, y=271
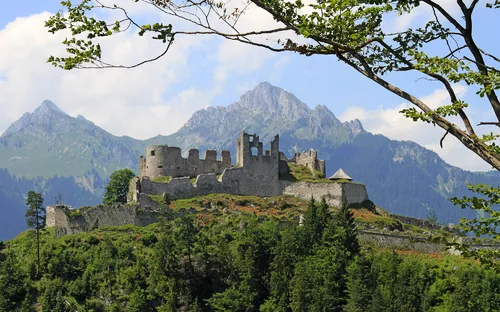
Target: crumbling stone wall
x=180, y=188
x=354, y=192
x=401, y=242
x=310, y=160
x=163, y=160
x=56, y=215
x=423, y=223
x=90, y=218
x=305, y=190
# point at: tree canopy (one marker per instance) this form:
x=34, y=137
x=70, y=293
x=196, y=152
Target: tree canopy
x=117, y=188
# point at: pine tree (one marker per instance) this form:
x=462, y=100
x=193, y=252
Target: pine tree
x=346, y=222
x=35, y=218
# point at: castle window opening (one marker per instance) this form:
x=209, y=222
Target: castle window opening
x=160, y=166
x=152, y=153
x=250, y=139
x=254, y=151
x=194, y=168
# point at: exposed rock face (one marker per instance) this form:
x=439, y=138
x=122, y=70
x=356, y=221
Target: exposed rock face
x=267, y=110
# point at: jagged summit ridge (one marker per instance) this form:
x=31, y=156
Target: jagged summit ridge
x=48, y=107
x=46, y=113
x=268, y=110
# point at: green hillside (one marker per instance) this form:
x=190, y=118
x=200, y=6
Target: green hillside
x=247, y=260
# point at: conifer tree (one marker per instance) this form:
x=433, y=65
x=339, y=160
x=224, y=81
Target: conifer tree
x=346, y=222
x=35, y=218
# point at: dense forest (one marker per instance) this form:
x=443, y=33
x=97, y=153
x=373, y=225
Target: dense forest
x=236, y=262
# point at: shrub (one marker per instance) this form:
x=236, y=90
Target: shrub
x=149, y=239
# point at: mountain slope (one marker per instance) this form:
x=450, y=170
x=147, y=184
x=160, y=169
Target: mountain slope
x=49, y=142
x=266, y=110
x=401, y=177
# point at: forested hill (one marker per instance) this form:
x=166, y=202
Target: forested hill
x=236, y=262
x=401, y=177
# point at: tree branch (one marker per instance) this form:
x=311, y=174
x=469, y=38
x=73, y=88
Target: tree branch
x=444, y=136
x=478, y=148
x=494, y=123
x=445, y=14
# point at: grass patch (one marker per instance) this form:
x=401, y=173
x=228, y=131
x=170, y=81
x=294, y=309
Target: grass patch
x=162, y=179
x=157, y=198
x=283, y=206
x=299, y=173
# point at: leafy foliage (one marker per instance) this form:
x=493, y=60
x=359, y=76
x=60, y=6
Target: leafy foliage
x=117, y=189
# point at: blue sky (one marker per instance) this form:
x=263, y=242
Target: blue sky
x=159, y=98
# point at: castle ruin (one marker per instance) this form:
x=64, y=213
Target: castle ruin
x=310, y=160
x=257, y=172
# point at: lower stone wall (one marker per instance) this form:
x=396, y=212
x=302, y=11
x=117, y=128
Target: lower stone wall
x=334, y=193
x=180, y=188
x=424, y=224
x=331, y=191
x=400, y=242
x=90, y=218
x=354, y=192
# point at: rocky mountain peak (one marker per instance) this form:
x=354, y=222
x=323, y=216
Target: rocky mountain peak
x=354, y=126
x=268, y=99
x=48, y=108
x=46, y=113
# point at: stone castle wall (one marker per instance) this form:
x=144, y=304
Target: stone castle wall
x=401, y=242
x=334, y=193
x=163, y=160
x=90, y=218
x=238, y=181
x=56, y=215
x=310, y=160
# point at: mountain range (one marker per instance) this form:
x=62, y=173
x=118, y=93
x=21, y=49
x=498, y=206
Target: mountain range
x=50, y=151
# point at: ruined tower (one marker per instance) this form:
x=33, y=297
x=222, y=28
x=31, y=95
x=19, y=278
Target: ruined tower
x=163, y=160
x=250, y=150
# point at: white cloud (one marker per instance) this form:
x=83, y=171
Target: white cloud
x=122, y=101
x=236, y=58
x=394, y=125
x=129, y=101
